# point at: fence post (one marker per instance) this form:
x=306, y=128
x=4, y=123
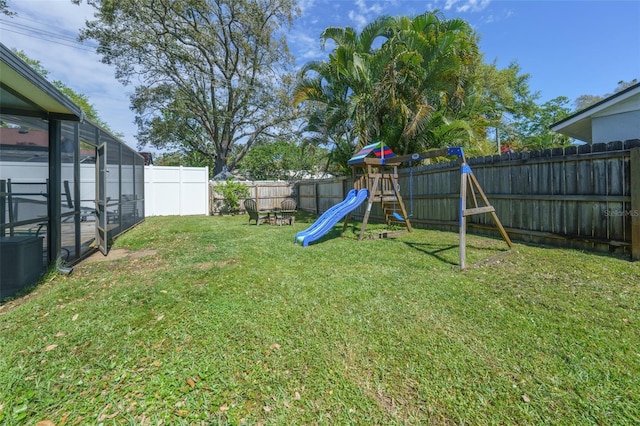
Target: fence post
x=180, y=185
x=206, y=189
x=257, y=194
x=634, y=188
x=344, y=188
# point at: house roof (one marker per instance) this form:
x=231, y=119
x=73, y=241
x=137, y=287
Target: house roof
x=24, y=92
x=578, y=125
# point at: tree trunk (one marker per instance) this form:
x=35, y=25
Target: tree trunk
x=220, y=164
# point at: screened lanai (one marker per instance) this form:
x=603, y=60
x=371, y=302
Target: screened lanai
x=67, y=187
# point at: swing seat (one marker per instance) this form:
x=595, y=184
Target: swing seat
x=400, y=218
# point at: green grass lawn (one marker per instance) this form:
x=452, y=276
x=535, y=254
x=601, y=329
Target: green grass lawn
x=211, y=321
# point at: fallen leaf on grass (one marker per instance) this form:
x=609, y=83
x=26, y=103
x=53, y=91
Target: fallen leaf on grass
x=75, y=317
x=266, y=408
x=104, y=416
x=274, y=346
x=297, y=396
x=525, y=398
x=108, y=416
x=59, y=334
x=160, y=317
x=45, y=423
x=50, y=347
x=156, y=363
x=63, y=419
x=223, y=408
x=191, y=383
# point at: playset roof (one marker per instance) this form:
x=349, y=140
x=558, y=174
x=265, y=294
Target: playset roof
x=377, y=150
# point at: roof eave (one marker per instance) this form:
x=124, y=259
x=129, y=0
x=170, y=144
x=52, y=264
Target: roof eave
x=590, y=111
x=20, y=74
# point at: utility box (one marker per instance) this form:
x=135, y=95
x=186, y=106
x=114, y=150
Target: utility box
x=21, y=263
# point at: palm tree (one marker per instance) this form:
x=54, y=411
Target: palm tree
x=337, y=92
x=386, y=82
x=435, y=58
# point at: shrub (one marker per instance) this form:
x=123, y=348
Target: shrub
x=232, y=192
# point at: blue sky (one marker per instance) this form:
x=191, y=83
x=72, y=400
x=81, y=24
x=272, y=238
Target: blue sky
x=569, y=48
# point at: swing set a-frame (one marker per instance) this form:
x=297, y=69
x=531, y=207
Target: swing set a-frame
x=375, y=168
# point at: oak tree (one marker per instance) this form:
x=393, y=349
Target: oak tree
x=210, y=76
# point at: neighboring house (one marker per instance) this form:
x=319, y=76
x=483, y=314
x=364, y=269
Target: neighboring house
x=616, y=118
x=308, y=174
x=148, y=158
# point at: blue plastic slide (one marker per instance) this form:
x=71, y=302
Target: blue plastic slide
x=326, y=215
x=332, y=216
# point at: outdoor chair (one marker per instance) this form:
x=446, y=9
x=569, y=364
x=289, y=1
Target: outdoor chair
x=251, y=206
x=286, y=215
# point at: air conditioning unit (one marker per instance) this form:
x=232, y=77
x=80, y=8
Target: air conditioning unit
x=21, y=263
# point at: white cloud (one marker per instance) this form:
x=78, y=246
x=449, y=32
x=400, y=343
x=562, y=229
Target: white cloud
x=367, y=13
x=364, y=9
x=308, y=48
x=463, y=5
x=473, y=5
x=306, y=5
x=358, y=19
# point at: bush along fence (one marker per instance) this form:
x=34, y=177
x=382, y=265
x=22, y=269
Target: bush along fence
x=582, y=196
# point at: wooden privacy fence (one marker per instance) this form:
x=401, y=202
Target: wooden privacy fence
x=318, y=196
x=268, y=194
x=585, y=196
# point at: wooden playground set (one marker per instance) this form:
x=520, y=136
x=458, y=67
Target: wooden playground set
x=375, y=169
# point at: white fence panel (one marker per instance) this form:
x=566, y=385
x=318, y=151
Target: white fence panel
x=180, y=191
x=27, y=172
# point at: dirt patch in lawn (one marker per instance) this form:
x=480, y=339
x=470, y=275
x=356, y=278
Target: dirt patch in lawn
x=119, y=253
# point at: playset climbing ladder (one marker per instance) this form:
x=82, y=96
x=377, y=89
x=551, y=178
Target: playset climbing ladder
x=375, y=169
